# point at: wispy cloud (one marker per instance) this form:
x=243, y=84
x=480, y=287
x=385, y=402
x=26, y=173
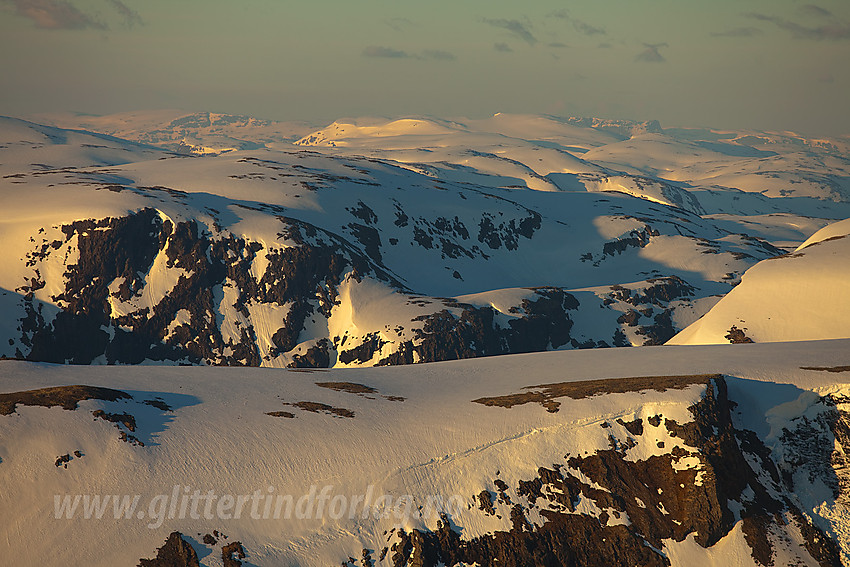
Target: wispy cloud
x=64, y=15
x=814, y=10
x=378, y=51
x=502, y=47
x=515, y=27
x=54, y=14
x=579, y=25
x=130, y=16
x=438, y=54
x=387, y=52
x=651, y=54
x=557, y=45
x=833, y=29
x=587, y=29
x=399, y=24
x=738, y=32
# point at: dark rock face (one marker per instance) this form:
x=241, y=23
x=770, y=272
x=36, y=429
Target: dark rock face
x=175, y=553
x=223, y=287
x=650, y=304
x=544, y=324
x=364, y=352
x=232, y=553
x=304, y=276
x=317, y=356
x=659, y=500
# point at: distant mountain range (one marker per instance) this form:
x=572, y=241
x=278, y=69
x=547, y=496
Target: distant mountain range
x=376, y=242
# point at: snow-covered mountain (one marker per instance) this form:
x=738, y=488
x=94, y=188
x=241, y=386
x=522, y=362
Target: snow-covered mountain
x=683, y=456
x=149, y=241
x=798, y=296
x=313, y=258
x=387, y=242
x=198, y=133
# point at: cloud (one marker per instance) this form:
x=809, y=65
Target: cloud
x=833, y=30
x=387, y=52
x=502, y=47
x=131, y=17
x=579, y=25
x=651, y=54
x=738, y=32
x=515, y=27
x=399, y=24
x=393, y=53
x=813, y=10
x=587, y=29
x=604, y=45
x=54, y=14
x=557, y=45
x=826, y=78
x=438, y=54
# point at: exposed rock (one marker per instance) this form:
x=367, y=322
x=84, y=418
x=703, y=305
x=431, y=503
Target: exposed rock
x=65, y=396
x=318, y=407
x=736, y=336
x=176, y=552
x=349, y=387
x=158, y=404
x=661, y=500
x=485, y=502
x=228, y=551
x=364, y=352
x=546, y=394
x=317, y=356
x=827, y=368
x=124, y=419
x=286, y=414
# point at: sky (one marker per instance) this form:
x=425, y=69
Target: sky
x=763, y=64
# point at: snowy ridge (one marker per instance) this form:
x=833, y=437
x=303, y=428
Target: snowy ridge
x=799, y=296
x=534, y=446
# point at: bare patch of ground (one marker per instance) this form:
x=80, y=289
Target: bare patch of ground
x=359, y=389
x=827, y=368
x=280, y=414
x=546, y=394
x=350, y=387
x=318, y=407
x=65, y=396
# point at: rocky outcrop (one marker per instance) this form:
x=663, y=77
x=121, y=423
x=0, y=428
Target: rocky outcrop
x=65, y=396
x=111, y=310
x=639, y=503
x=176, y=552
x=116, y=254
